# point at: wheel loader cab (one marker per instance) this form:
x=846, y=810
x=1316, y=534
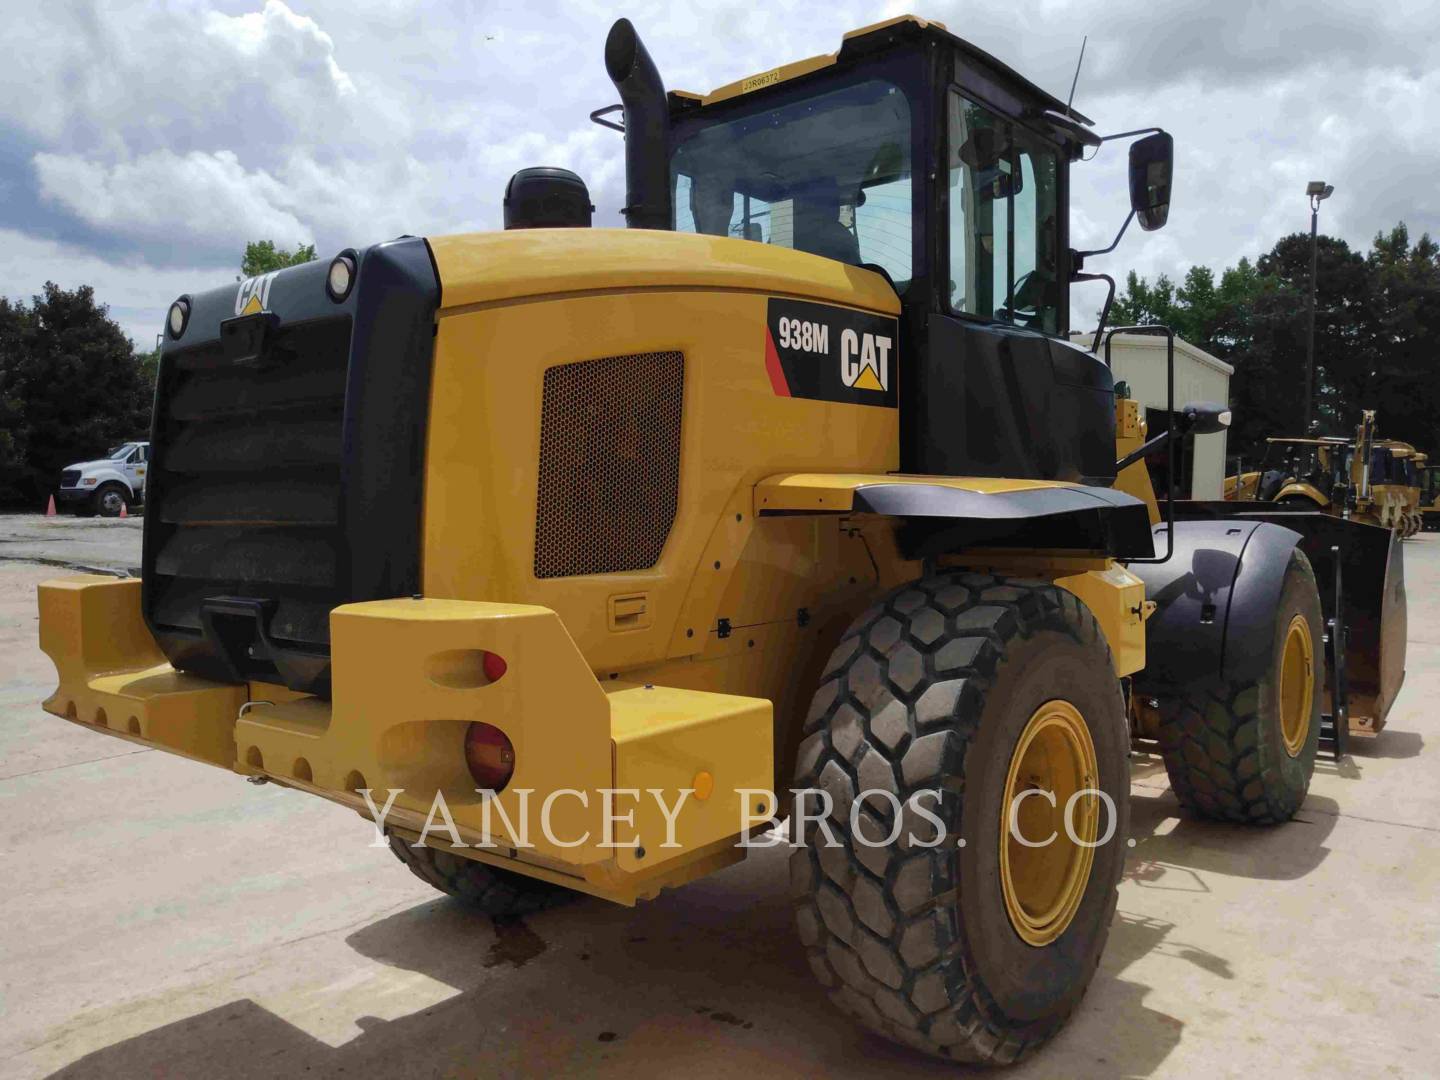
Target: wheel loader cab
x=913, y=154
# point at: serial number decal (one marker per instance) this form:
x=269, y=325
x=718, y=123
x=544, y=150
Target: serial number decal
x=755, y=82
x=827, y=353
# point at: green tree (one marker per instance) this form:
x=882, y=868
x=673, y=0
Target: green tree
x=1405, y=281
x=73, y=383
x=12, y=433
x=1377, y=333
x=1143, y=304
x=1346, y=335
x=1199, y=310
x=262, y=256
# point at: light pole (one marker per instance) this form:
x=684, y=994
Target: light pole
x=1318, y=191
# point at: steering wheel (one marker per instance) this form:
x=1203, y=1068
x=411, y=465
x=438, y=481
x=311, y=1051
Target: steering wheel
x=1023, y=307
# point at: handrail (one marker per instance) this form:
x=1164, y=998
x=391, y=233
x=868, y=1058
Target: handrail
x=1156, y=329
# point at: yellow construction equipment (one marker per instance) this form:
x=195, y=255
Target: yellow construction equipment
x=1364, y=478
x=576, y=558
x=1396, y=486
x=1429, y=476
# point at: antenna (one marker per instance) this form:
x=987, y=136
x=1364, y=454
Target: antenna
x=1070, y=100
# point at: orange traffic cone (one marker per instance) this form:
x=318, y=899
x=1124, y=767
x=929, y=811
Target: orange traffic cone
x=124, y=513
x=50, y=510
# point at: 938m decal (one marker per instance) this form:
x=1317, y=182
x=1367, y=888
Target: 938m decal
x=830, y=353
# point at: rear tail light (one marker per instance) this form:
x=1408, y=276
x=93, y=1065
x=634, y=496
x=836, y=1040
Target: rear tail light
x=489, y=754
x=494, y=666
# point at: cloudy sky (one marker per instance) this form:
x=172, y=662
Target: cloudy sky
x=142, y=144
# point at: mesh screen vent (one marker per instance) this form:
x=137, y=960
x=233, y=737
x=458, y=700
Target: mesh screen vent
x=609, y=463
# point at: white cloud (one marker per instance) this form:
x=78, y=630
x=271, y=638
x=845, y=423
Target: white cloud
x=165, y=197
x=118, y=80
x=137, y=293
x=282, y=41
x=178, y=131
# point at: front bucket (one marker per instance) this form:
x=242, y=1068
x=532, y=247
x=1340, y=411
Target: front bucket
x=1372, y=563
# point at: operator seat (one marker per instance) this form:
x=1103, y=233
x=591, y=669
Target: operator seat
x=818, y=229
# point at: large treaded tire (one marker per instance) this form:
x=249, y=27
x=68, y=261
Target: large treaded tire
x=487, y=889
x=929, y=690
x=1222, y=742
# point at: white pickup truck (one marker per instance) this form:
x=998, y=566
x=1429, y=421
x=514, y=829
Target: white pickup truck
x=107, y=485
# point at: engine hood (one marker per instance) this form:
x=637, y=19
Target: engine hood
x=482, y=268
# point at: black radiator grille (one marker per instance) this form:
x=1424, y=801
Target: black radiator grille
x=286, y=464
x=69, y=478
x=245, y=491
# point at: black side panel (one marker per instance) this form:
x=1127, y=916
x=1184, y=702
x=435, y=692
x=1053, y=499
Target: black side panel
x=1215, y=601
x=995, y=400
x=941, y=519
x=1373, y=573
x=285, y=476
x=387, y=405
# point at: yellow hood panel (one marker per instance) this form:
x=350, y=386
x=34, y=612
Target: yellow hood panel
x=482, y=268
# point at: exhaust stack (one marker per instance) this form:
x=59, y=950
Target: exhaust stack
x=647, y=123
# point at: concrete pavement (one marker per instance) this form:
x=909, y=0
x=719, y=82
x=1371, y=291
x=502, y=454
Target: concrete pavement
x=165, y=918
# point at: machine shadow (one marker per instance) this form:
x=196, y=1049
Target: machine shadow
x=1177, y=857
x=1389, y=744
x=713, y=973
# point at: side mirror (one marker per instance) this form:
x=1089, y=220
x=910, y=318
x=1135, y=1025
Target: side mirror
x=997, y=183
x=1152, y=162
x=1203, y=417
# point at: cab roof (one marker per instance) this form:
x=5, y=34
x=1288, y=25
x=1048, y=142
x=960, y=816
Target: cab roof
x=867, y=39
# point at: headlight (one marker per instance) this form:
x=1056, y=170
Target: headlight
x=91, y=481
x=179, y=316
x=341, y=278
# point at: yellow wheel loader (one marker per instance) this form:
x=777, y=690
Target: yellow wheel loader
x=1393, y=486
x=576, y=558
x=1390, y=484
x=1429, y=476
x=1407, y=513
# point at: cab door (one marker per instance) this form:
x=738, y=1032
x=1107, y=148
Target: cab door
x=999, y=391
x=134, y=470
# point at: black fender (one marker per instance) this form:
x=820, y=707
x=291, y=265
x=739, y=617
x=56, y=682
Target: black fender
x=1215, y=598
x=941, y=519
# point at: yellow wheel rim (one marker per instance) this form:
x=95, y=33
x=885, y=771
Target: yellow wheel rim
x=1043, y=885
x=1297, y=684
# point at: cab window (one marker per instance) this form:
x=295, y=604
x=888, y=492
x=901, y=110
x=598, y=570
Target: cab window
x=828, y=174
x=1003, y=221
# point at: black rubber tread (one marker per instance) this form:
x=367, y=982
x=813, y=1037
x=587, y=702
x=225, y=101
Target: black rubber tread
x=1221, y=742
x=107, y=486
x=898, y=707
x=486, y=888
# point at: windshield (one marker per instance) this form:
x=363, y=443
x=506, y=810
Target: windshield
x=115, y=453
x=829, y=175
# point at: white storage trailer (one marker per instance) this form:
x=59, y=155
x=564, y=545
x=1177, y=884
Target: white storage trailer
x=1139, y=361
